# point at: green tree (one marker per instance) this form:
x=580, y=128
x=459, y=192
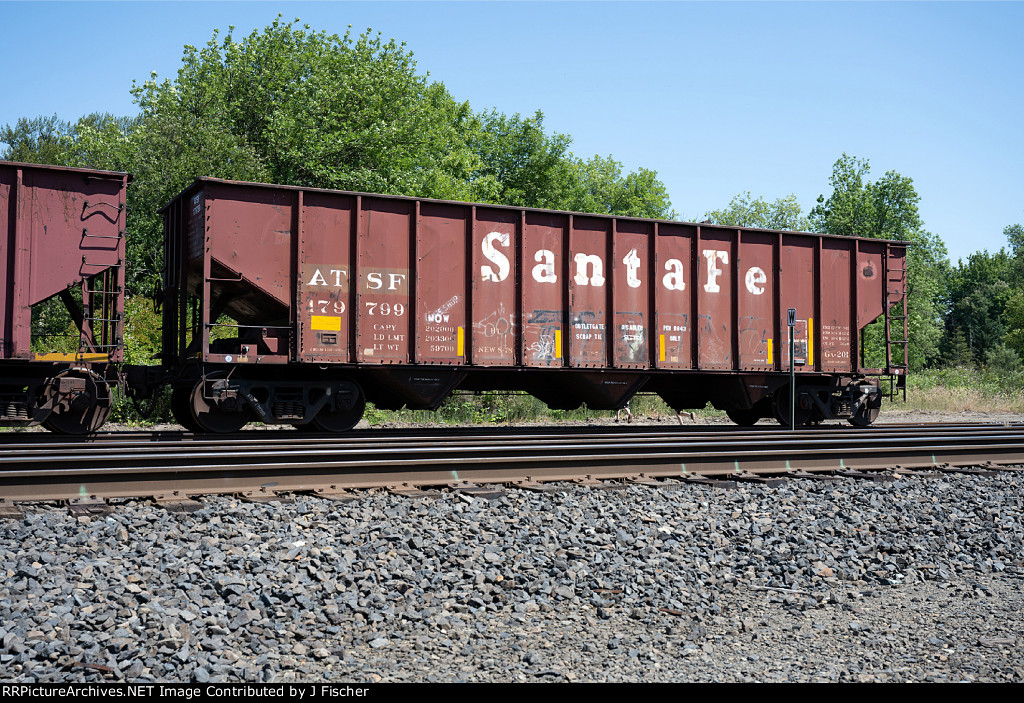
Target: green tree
x=520, y=163
x=958, y=352
x=978, y=294
x=600, y=186
x=1013, y=311
x=316, y=109
x=101, y=140
x=293, y=106
x=284, y=105
x=1015, y=236
x=1003, y=359
x=743, y=211
x=1013, y=317
x=38, y=140
x=887, y=208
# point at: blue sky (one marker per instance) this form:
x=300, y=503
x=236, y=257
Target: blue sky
x=717, y=97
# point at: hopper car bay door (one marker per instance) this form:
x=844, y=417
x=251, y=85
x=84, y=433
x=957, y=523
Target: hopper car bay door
x=544, y=290
x=631, y=293
x=798, y=286
x=325, y=269
x=756, y=287
x=441, y=283
x=715, y=322
x=494, y=267
x=673, y=290
x=835, y=328
x=383, y=313
x=588, y=297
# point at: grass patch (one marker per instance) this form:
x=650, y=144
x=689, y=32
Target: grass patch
x=961, y=389
x=499, y=408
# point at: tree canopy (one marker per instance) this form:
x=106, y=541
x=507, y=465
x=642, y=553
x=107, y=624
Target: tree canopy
x=35, y=140
x=887, y=209
x=294, y=106
x=744, y=211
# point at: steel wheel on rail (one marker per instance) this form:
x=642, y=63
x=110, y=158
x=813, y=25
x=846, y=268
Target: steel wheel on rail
x=344, y=410
x=82, y=410
x=213, y=413
x=869, y=409
x=181, y=408
x=780, y=406
x=744, y=418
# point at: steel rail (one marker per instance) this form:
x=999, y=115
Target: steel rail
x=16, y=438
x=174, y=441
x=551, y=445
x=270, y=466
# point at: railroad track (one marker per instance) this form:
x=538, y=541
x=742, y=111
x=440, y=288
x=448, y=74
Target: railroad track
x=172, y=467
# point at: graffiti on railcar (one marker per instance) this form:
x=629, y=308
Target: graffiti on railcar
x=631, y=341
x=756, y=347
x=495, y=332
x=441, y=333
x=588, y=337
x=547, y=349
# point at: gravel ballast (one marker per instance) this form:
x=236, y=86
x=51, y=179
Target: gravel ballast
x=847, y=580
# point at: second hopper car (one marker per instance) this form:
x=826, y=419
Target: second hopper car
x=62, y=273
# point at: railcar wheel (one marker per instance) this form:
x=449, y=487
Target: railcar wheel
x=780, y=406
x=83, y=411
x=181, y=408
x=345, y=410
x=744, y=418
x=217, y=416
x=868, y=411
x=865, y=416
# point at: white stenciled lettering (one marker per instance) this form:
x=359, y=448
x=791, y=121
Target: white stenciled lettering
x=714, y=256
x=755, y=280
x=338, y=306
x=632, y=262
x=374, y=281
x=495, y=257
x=597, y=267
x=673, y=280
x=395, y=280
x=544, y=271
x=339, y=276
x=373, y=308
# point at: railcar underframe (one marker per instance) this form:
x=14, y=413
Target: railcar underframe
x=222, y=397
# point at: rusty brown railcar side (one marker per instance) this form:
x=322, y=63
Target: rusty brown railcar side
x=407, y=299
x=62, y=236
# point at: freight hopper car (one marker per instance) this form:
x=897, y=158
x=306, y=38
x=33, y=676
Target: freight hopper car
x=298, y=305
x=62, y=255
